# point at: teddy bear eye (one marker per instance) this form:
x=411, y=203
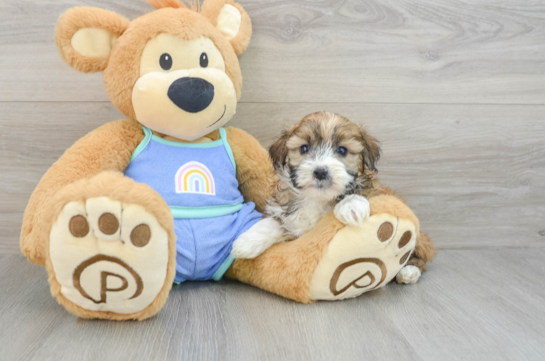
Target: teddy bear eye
x=204, y=60
x=165, y=61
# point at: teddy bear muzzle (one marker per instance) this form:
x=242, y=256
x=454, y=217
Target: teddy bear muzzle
x=186, y=104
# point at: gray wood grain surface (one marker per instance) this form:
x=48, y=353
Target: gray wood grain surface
x=471, y=305
x=474, y=174
x=446, y=51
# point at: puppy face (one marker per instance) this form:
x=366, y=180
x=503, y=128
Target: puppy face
x=324, y=155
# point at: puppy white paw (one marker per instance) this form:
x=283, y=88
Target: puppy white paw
x=352, y=210
x=408, y=275
x=257, y=239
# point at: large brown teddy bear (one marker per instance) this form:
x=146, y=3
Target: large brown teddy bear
x=115, y=224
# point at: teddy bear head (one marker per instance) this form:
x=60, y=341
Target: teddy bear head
x=175, y=70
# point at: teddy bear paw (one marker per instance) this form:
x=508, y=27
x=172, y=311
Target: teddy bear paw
x=108, y=256
x=364, y=257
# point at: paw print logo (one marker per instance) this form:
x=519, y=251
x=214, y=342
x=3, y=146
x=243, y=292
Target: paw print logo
x=363, y=258
x=365, y=272
x=359, y=282
x=104, y=278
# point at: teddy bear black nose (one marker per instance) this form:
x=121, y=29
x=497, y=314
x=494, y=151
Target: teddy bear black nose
x=191, y=94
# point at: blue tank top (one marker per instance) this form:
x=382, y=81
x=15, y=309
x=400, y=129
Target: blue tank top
x=197, y=180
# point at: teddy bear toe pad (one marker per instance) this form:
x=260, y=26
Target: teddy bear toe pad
x=108, y=256
x=363, y=258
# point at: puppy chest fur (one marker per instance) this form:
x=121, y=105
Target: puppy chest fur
x=302, y=219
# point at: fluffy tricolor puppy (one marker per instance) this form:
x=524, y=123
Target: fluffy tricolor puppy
x=325, y=162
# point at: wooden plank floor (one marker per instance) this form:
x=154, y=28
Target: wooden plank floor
x=455, y=92
x=466, y=170
x=471, y=305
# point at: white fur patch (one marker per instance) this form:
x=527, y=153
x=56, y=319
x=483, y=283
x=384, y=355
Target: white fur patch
x=352, y=210
x=408, y=275
x=257, y=239
x=338, y=177
x=302, y=220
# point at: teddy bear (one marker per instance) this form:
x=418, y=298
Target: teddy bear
x=158, y=198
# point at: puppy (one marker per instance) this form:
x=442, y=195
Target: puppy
x=325, y=162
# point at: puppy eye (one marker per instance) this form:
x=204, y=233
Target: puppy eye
x=203, y=60
x=165, y=61
x=304, y=149
x=342, y=151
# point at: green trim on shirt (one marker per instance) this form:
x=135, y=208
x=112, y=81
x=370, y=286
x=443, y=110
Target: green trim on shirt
x=223, y=135
x=204, y=212
x=223, y=268
x=215, y=143
x=143, y=144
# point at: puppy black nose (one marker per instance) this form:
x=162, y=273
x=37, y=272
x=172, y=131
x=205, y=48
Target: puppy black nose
x=191, y=94
x=320, y=173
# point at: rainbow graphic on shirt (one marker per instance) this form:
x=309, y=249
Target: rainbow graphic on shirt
x=195, y=177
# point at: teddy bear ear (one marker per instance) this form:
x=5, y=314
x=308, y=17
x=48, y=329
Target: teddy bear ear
x=85, y=37
x=231, y=19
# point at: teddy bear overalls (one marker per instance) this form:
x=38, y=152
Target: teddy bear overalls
x=198, y=181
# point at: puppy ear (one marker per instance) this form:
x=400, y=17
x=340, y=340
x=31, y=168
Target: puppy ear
x=371, y=151
x=231, y=19
x=85, y=37
x=279, y=151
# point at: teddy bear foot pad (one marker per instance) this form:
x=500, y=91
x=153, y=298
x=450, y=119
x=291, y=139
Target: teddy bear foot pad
x=108, y=256
x=363, y=258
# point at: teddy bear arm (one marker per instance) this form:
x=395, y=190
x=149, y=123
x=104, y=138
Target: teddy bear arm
x=254, y=168
x=108, y=148
x=333, y=261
